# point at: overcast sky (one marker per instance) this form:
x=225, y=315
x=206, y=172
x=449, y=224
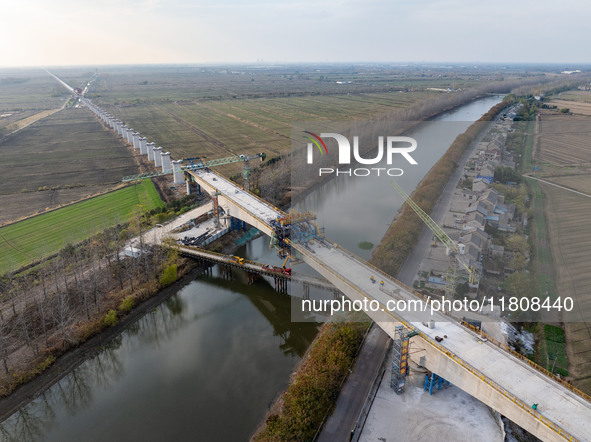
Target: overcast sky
x=94, y=32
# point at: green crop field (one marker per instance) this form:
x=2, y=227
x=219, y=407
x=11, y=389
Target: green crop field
x=26, y=241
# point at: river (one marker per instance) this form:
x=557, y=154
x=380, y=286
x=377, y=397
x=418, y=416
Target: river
x=207, y=363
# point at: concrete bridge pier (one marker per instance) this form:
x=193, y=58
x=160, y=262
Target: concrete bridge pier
x=166, y=164
x=136, y=140
x=158, y=156
x=177, y=173
x=143, y=146
x=150, y=150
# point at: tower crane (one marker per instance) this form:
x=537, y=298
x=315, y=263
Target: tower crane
x=198, y=163
x=443, y=237
x=221, y=161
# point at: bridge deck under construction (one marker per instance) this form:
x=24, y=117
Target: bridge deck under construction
x=502, y=380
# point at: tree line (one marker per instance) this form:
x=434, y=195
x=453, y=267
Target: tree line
x=62, y=301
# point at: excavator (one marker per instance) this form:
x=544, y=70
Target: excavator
x=238, y=260
x=286, y=270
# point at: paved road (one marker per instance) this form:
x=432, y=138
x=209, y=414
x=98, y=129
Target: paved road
x=354, y=392
x=411, y=265
x=352, y=396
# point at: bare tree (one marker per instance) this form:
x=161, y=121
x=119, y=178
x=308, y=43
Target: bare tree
x=5, y=336
x=62, y=312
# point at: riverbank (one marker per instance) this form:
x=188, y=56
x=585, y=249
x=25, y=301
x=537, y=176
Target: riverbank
x=384, y=401
x=418, y=118
x=277, y=419
x=403, y=234
x=65, y=363
x=301, y=409
x=90, y=345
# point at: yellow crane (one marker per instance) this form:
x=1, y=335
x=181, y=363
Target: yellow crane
x=441, y=235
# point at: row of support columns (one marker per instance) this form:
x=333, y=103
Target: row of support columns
x=280, y=284
x=161, y=159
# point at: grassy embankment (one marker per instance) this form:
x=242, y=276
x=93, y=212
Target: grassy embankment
x=539, y=277
x=29, y=240
x=317, y=383
x=551, y=347
x=404, y=232
x=316, y=386
x=550, y=351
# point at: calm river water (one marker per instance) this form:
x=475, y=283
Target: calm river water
x=210, y=360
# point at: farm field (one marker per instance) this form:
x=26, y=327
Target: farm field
x=69, y=149
x=19, y=205
x=563, y=140
x=574, y=107
x=570, y=241
x=580, y=182
x=169, y=83
x=220, y=111
x=26, y=241
x=23, y=122
x=578, y=96
x=223, y=128
x=10, y=121
x=31, y=89
x=563, y=154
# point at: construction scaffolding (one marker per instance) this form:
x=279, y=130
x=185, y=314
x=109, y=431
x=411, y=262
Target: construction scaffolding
x=216, y=208
x=399, y=359
x=294, y=227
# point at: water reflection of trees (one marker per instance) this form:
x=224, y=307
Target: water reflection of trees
x=24, y=426
x=296, y=337
x=164, y=322
x=73, y=393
